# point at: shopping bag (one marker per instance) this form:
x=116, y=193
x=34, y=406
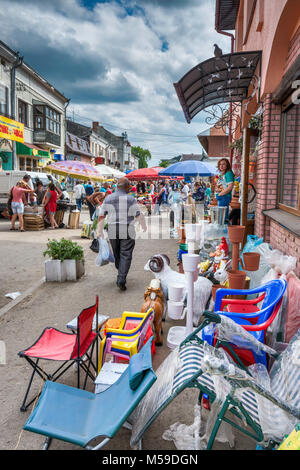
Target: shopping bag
x=105, y=255
x=95, y=245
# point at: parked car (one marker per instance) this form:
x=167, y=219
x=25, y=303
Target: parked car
x=10, y=178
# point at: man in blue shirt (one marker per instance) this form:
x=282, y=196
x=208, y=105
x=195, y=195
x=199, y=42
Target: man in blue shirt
x=89, y=191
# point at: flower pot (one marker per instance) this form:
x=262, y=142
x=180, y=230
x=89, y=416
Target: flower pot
x=214, y=289
x=80, y=270
x=54, y=271
x=175, y=292
x=236, y=233
x=70, y=268
x=251, y=261
x=190, y=262
x=236, y=279
x=181, y=234
x=175, y=310
x=235, y=204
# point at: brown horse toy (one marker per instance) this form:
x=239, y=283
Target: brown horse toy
x=154, y=298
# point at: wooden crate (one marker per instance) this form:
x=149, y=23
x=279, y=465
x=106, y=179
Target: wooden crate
x=33, y=222
x=74, y=220
x=59, y=216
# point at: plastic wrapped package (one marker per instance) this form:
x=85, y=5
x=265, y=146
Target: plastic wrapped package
x=228, y=330
x=186, y=437
x=160, y=391
x=292, y=323
x=105, y=255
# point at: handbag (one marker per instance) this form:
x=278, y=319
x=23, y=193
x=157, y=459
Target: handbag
x=95, y=245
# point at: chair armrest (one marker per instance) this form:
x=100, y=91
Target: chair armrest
x=246, y=301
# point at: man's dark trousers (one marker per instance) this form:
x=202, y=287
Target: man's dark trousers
x=122, y=246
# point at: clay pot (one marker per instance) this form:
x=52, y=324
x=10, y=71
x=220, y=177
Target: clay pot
x=236, y=279
x=181, y=234
x=214, y=289
x=236, y=233
x=251, y=261
x=214, y=202
x=235, y=204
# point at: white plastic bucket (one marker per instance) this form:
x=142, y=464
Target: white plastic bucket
x=175, y=310
x=190, y=262
x=175, y=292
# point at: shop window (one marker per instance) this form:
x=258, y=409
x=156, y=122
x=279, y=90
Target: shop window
x=22, y=163
x=23, y=112
x=289, y=197
x=3, y=100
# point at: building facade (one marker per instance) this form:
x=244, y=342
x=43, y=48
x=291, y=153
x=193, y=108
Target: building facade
x=120, y=143
x=28, y=98
x=275, y=31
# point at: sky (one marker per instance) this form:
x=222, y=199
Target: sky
x=117, y=62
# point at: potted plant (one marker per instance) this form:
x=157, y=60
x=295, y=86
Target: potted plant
x=66, y=260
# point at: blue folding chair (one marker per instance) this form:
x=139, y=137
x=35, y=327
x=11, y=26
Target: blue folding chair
x=246, y=313
x=78, y=416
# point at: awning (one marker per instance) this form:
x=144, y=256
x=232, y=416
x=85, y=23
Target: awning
x=31, y=150
x=217, y=80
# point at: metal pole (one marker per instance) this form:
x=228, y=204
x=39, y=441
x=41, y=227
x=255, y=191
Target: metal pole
x=17, y=63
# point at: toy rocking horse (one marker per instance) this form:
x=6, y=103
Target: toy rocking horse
x=154, y=298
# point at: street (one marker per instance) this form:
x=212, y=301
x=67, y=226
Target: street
x=55, y=304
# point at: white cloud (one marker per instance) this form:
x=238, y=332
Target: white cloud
x=130, y=61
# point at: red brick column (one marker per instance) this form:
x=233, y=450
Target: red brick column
x=267, y=167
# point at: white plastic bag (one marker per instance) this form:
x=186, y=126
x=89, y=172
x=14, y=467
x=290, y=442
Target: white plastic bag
x=105, y=255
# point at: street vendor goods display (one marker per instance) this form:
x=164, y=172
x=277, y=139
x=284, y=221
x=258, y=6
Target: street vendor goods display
x=160, y=265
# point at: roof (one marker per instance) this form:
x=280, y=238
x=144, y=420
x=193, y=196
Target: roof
x=217, y=80
x=226, y=14
x=77, y=145
x=10, y=55
x=191, y=156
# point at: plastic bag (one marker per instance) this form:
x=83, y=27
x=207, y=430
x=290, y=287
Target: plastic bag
x=105, y=255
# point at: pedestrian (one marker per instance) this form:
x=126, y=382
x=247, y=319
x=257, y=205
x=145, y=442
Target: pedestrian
x=121, y=211
x=17, y=205
x=89, y=190
x=93, y=200
x=40, y=192
x=79, y=194
x=225, y=184
x=63, y=184
x=161, y=198
x=50, y=203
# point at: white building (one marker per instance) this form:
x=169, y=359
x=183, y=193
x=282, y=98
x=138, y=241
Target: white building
x=28, y=98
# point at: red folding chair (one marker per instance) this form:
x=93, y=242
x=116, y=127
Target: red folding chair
x=55, y=345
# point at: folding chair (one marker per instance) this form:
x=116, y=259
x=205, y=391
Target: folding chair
x=270, y=409
x=247, y=314
x=78, y=416
x=127, y=340
x=55, y=345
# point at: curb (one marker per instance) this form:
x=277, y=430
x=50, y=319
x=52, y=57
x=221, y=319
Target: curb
x=21, y=297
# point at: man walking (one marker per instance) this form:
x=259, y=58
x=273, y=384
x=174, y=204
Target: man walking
x=79, y=194
x=121, y=210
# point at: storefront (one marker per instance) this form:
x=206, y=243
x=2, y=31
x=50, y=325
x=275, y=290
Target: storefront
x=31, y=157
x=10, y=131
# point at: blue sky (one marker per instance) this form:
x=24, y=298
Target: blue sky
x=118, y=60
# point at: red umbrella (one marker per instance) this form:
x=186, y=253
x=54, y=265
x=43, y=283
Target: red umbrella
x=146, y=174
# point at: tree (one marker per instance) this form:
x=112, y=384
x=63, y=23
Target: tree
x=164, y=163
x=143, y=155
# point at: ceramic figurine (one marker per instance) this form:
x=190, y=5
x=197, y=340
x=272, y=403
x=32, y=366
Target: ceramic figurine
x=154, y=298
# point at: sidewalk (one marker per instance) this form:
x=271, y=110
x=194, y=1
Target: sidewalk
x=55, y=304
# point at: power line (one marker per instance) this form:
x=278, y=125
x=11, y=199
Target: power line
x=134, y=130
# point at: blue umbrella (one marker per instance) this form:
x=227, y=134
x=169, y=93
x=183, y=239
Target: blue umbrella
x=190, y=168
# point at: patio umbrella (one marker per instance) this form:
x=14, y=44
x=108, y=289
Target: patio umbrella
x=145, y=174
x=75, y=169
x=105, y=171
x=117, y=173
x=190, y=168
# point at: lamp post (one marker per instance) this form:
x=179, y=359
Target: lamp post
x=17, y=63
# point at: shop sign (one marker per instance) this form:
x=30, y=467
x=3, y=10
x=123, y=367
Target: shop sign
x=11, y=130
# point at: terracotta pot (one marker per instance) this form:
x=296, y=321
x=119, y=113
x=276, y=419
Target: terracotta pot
x=236, y=279
x=236, y=233
x=251, y=261
x=235, y=205
x=214, y=289
x=181, y=234
x=214, y=202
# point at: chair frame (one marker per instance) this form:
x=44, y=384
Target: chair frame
x=136, y=334
x=65, y=366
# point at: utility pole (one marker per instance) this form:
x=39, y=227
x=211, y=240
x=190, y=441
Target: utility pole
x=17, y=63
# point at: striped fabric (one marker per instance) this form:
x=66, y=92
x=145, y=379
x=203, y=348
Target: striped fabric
x=191, y=357
x=285, y=373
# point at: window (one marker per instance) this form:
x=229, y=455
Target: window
x=3, y=100
x=21, y=163
x=290, y=159
x=46, y=118
x=23, y=112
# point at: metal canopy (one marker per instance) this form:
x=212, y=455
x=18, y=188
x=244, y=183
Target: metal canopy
x=217, y=80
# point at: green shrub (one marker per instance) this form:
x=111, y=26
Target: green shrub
x=64, y=249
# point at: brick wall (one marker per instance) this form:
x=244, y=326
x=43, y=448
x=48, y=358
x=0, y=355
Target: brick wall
x=267, y=172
